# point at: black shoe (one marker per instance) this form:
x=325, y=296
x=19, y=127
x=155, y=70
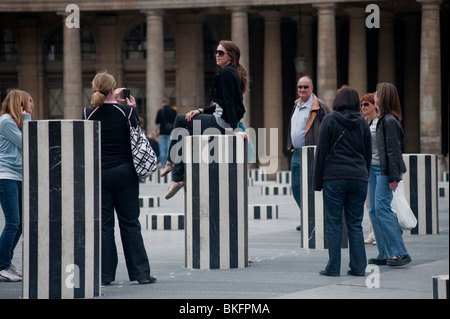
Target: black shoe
x=398, y=261
x=149, y=280
x=351, y=273
x=379, y=262
x=324, y=273
x=106, y=283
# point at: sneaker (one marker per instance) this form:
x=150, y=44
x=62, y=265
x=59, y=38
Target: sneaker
x=7, y=275
x=15, y=271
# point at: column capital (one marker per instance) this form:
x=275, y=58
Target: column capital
x=237, y=9
x=156, y=12
x=324, y=8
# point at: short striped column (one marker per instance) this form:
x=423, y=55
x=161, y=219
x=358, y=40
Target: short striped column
x=165, y=221
x=283, y=177
x=258, y=174
x=61, y=209
x=421, y=190
x=216, y=221
x=148, y=201
x=263, y=211
x=312, y=216
x=276, y=190
x=440, y=287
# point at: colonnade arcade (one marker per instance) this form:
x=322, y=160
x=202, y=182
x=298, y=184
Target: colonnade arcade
x=158, y=53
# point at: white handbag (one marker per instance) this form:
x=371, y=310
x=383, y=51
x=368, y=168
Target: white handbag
x=402, y=210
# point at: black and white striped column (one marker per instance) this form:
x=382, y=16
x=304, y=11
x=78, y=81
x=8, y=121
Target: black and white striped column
x=216, y=204
x=440, y=287
x=421, y=190
x=61, y=209
x=312, y=218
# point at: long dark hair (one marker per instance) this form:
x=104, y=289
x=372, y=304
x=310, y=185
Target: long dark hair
x=388, y=100
x=235, y=55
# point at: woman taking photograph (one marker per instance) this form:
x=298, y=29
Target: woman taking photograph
x=16, y=108
x=341, y=169
x=120, y=183
x=386, y=172
x=224, y=114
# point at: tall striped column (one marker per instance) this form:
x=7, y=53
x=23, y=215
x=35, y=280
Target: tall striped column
x=421, y=190
x=61, y=209
x=216, y=204
x=312, y=216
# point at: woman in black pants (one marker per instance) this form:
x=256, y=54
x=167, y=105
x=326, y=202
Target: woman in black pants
x=120, y=183
x=224, y=113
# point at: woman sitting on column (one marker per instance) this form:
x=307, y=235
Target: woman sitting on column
x=224, y=113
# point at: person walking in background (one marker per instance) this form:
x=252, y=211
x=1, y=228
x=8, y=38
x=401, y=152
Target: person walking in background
x=165, y=119
x=370, y=113
x=224, y=113
x=17, y=107
x=341, y=169
x=303, y=128
x=385, y=174
x=120, y=183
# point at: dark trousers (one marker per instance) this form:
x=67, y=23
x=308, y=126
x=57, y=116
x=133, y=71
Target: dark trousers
x=120, y=192
x=346, y=196
x=182, y=127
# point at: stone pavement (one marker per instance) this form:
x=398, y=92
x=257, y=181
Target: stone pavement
x=280, y=268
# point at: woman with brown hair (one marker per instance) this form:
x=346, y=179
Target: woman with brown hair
x=385, y=174
x=224, y=113
x=120, y=183
x=16, y=108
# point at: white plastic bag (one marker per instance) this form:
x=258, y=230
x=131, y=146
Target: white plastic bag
x=402, y=210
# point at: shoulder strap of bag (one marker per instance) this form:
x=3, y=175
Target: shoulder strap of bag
x=85, y=113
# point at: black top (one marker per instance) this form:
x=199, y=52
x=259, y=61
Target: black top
x=166, y=117
x=115, y=132
x=227, y=92
x=352, y=155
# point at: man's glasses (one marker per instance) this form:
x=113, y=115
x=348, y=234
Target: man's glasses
x=303, y=87
x=219, y=52
x=365, y=104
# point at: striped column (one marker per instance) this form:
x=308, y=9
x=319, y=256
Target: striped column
x=166, y=221
x=216, y=221
x=421, y=190
x=312, y=216
x=440, y=287
x=263, y=211
x=61, y=209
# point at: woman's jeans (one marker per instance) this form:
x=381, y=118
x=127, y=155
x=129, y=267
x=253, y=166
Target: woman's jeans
x=11, y=201
x=182, y=127
x=120, y=192
x=345, y=197
x=385, y=225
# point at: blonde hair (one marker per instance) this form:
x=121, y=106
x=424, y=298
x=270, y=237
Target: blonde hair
x=14, y=103
x=102, y=84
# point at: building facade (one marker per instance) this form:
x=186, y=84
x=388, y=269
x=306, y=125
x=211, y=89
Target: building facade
x=163, y=48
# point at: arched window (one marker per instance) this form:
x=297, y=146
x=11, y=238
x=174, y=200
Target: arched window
x=55, y=45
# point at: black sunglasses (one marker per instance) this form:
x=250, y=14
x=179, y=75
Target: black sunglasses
x=219, y=52
x=364, y=104
x=303, y=87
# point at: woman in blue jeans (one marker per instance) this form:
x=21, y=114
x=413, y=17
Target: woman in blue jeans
x=387, y=170
x=341, y=170
x=16, y=108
